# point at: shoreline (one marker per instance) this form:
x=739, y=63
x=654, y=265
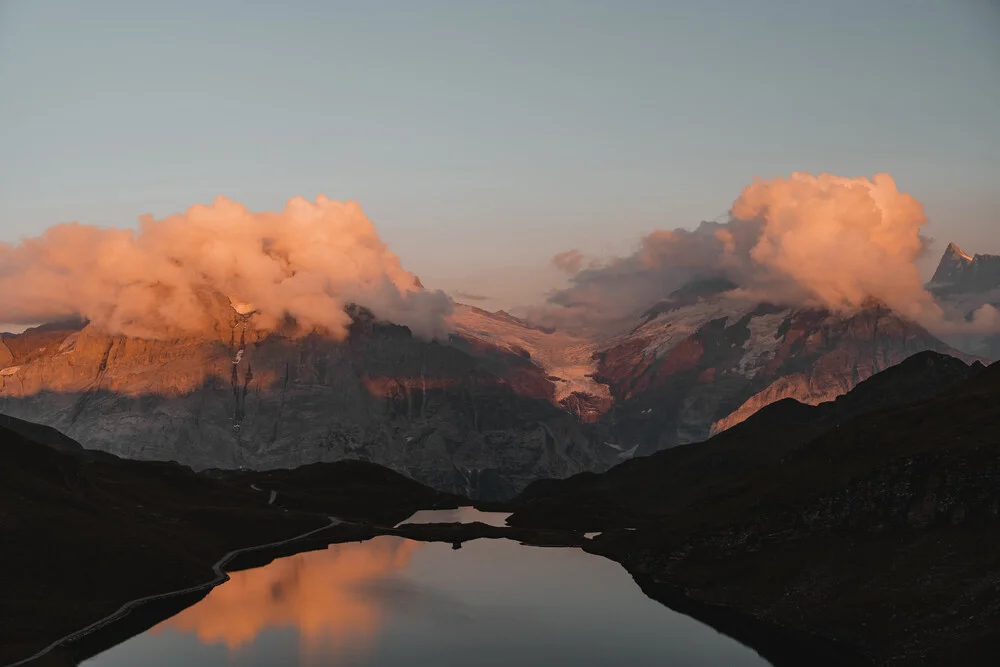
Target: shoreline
x=221, y=576
x=781, y=646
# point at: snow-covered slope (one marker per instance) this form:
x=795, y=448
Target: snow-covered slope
x=568, y=361
x=700, y=363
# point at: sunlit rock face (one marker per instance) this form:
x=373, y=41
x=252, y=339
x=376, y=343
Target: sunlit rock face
x=464, y=415
x=695, y=367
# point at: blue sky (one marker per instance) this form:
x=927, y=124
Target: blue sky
x=483, y=137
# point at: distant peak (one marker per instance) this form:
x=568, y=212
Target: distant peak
x=954, y=251
x=959, y=272
x=954, y=263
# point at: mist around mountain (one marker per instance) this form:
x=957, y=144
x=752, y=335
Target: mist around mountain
x=225, y=338
x=959, y=272
x=499, y=404
x=968, y=287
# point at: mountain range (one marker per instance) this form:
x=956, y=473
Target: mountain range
x=499, y=404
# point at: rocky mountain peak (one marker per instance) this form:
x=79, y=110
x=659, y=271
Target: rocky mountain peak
x=954, y=251
x=953, y=262
x=960, y=272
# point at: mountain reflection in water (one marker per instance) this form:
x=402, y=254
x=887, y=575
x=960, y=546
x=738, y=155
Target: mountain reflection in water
x=319, y=593
x=390, y=602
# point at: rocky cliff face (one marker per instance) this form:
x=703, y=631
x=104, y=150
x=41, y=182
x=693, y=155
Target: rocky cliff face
x=461, y=416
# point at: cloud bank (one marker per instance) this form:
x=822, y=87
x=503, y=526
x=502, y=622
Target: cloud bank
x=168, y=278
x=824, y=241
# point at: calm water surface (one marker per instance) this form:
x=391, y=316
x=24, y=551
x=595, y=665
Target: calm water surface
x=395, y=602
x=460, y=515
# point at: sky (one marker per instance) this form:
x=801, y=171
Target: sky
x=482, y=138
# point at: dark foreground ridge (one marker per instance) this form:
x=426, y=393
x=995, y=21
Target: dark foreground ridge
x=871, y=521
x=99, y=549
x=84, y=532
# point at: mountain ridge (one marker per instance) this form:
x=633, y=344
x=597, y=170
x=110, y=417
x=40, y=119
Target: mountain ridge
x=484, y=413
x=871, y=520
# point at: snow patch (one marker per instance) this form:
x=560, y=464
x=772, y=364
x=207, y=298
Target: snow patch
x=961, y=253
x=559, y=354
x=667, y=330
x=763, y=342
x=628, y=453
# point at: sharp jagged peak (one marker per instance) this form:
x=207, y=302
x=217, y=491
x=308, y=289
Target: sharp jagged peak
x=953, y=263
x=958, y=272
x=953, y=251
